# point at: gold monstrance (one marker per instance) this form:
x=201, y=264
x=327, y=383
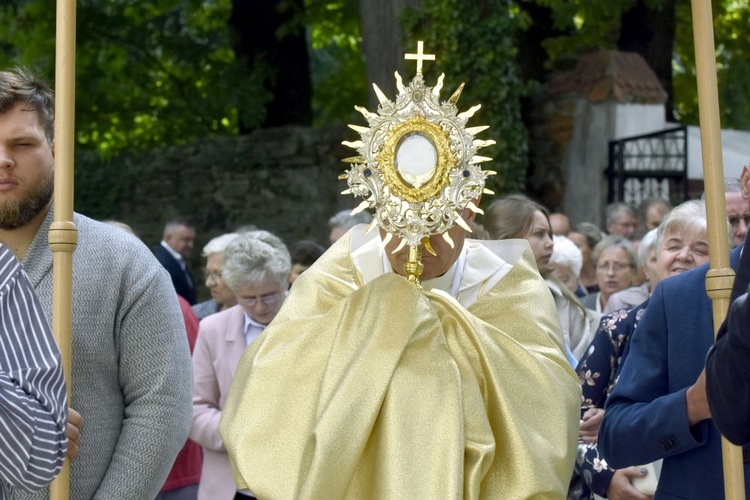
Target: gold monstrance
x=417, y=167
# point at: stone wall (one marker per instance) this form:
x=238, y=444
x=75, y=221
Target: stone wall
x=283, y=180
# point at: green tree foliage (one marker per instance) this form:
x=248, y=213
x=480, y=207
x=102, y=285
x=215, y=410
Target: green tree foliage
x=731, y=24
x=268, y=29
x=586, y=24
x=164, y=72
x=593, y=24
x=338, y=68
x=147, y=73
x=474, y=42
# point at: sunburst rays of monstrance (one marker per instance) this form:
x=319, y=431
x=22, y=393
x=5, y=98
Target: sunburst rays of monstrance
x=417, y=167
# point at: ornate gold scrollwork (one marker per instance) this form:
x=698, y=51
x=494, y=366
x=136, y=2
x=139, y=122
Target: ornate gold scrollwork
x=446, y=160
x=417, y=166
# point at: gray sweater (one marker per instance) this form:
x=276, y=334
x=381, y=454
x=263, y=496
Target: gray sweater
x=132, y=372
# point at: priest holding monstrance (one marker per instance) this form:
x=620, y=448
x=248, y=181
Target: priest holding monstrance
x=410, y=361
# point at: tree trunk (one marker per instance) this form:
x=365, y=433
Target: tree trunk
x=256, y=24
x=650, y=33
x=545, y=177
x=532, y=57
x=382, y=43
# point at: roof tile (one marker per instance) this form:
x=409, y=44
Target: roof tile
x=609, y=74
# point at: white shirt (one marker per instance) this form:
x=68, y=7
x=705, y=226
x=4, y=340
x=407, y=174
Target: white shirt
x=480, y=265
x=253, y=329
x=178, y=257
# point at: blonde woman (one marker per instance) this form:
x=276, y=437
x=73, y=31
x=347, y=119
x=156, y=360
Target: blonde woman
x=517, y=216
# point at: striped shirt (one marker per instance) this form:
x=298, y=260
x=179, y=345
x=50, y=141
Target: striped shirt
x=33, y=407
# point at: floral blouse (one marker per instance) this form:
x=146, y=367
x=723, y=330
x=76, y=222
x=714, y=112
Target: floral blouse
x=598, y=370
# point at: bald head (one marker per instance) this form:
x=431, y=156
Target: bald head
x=560, y=224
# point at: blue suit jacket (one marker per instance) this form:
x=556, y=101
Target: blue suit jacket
x=185, y=288
x=646, y=414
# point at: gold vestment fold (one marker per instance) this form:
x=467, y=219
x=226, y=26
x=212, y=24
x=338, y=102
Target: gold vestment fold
x=381, y=390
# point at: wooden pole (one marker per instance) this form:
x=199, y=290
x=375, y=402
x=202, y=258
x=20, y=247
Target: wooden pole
x=720, y=276
x=63, y=234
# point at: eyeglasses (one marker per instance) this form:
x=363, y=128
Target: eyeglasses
x=268, y=299
x=617, y=266
x=216, y=275
x=734, y=220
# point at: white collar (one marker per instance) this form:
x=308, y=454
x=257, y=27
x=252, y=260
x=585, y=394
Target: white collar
x=172, y=252
x=449, y=281
x=251, y=322
x=481, y=264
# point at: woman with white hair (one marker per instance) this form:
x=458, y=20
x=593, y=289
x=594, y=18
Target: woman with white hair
x=256, y=269
x=222, y=297
x=566, y=262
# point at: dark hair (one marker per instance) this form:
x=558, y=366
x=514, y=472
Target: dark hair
x=20, y=85
x=305, y=252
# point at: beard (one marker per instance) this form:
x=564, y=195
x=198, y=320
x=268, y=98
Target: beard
x=18, y=213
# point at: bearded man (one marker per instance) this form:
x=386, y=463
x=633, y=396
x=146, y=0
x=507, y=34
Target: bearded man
x=131, y=363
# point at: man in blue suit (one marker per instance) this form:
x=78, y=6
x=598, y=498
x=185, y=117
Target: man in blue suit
x=175, y=247
x=658, y=408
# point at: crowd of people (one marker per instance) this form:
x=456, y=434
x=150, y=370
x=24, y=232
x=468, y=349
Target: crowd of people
x=540, y=358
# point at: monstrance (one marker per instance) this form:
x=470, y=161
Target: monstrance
x=417, y=167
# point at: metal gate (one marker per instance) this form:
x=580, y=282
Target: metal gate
x=649, y=166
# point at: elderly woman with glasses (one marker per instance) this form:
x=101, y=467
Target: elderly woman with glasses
x=616, y=264
x=222, y=297
x=256, y=269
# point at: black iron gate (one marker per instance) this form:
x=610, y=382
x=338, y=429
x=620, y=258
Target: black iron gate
x=649, y=166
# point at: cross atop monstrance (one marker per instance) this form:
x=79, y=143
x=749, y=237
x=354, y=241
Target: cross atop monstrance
x=417, y=166
x=420, y=56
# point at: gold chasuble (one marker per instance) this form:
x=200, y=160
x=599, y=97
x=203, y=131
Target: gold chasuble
x=366, y=387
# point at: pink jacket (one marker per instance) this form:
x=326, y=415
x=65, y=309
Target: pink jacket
x=221, y=342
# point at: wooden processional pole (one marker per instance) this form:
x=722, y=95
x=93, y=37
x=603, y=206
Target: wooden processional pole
x=63, y=234
x=720, y=277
